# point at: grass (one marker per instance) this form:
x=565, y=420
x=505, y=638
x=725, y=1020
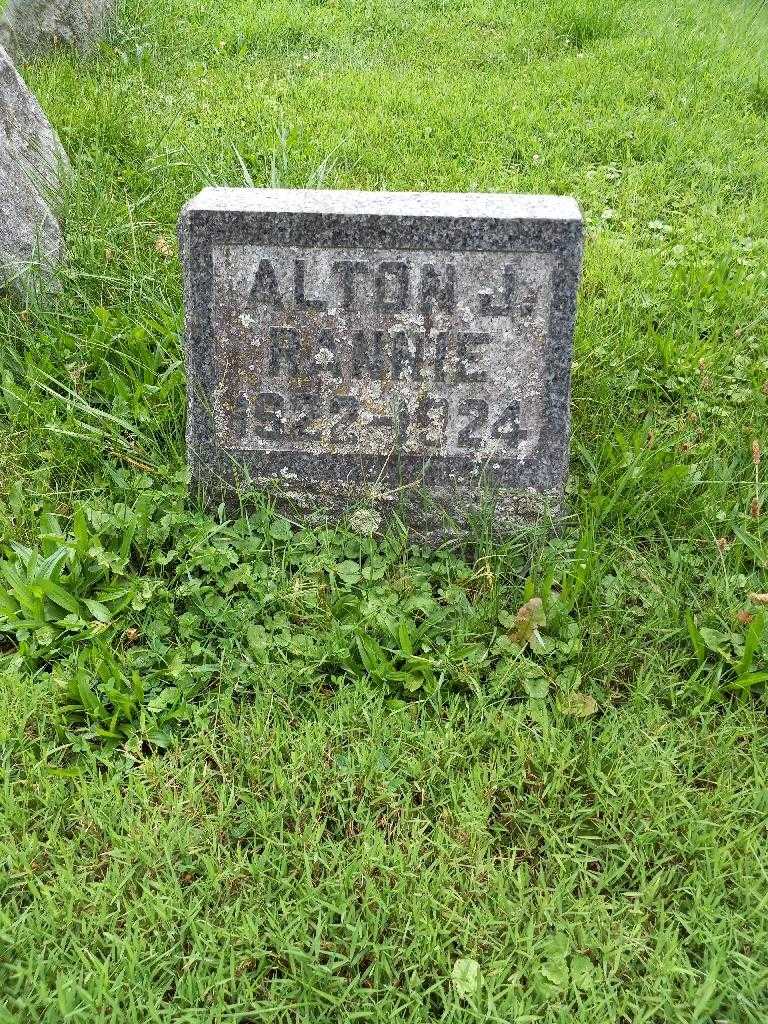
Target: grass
x=254, y=770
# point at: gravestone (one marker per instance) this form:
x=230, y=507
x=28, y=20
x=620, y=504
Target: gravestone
x=28, y=26
x=31, y=161
x=406, y=351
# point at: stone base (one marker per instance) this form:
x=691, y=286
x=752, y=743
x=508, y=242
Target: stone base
x=431, y=516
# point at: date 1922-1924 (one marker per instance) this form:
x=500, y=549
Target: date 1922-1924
x=458, y=423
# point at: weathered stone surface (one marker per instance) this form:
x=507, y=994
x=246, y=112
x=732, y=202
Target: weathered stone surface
x=31, y=25
x=31, y=160
x=401, y=350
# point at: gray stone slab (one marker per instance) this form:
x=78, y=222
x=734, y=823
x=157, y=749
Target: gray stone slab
x=406, y=351
x=31, y=162
x=28, y=27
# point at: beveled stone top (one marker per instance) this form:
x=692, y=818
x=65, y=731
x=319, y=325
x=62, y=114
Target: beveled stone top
x=474, y=205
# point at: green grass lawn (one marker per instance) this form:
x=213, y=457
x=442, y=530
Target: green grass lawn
x=255, y=770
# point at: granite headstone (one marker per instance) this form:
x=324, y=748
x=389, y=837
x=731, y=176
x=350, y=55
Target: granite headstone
x=399, y=350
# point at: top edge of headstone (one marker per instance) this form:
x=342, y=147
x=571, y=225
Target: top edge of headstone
x=471, y=205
